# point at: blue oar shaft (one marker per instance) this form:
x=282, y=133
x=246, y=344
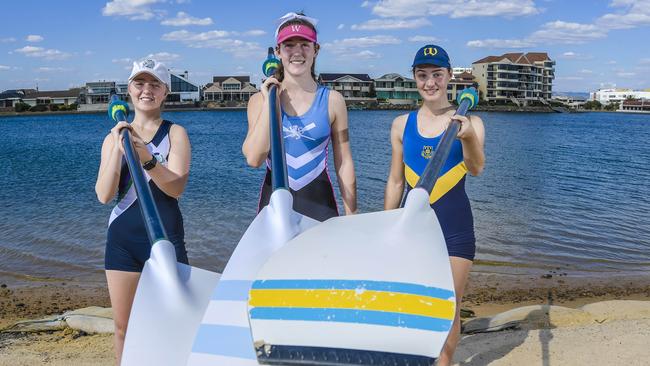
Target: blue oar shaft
x=430, y=175
x=279, y=174
x=152, y=221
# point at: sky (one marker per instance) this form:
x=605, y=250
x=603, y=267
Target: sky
x=56, y=45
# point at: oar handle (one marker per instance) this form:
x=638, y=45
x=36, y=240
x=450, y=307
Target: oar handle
x=467, y=99
x=279, y=174
x=118, y=111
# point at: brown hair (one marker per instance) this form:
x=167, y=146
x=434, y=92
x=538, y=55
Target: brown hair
x=279, y=72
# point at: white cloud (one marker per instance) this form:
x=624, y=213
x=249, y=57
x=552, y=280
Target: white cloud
x=133, y=9
x=254, y=32
x=567, y=33
x=7, y=40
x=34, y=38
x=611, y=62
x=349, y=45
x=500, y=43
x=163, y=56
x=586, y=71
x=3, y=67
x=190, y=37
x=644, y=61
x=626, y=74
x=570, y=55
x=569, y=78
x=52, y=69
x=184, y=19
x=633, y=14
x=425, y=39
x=367, y=55
x=365, y=4
x=341, y=26
x=125, y=60
x=51, y=54
x=386, y=24
x=215, y=39
x=454, y=8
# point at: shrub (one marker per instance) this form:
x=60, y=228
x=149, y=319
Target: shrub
x=21, y=107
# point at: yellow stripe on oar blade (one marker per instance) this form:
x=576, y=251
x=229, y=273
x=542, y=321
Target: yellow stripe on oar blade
x=352, y=299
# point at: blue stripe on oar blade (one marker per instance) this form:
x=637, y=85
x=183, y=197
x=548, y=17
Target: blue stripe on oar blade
x=224, y=340
x=353, y=316
x=232, y=290
x=401, y=287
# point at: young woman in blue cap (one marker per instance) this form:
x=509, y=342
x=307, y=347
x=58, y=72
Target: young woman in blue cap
x=414, y=137
x=312, y=115
x=164, y=151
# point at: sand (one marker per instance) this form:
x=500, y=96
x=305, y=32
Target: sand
x=609, y=340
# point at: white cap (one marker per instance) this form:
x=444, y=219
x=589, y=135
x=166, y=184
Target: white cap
x=153, y=68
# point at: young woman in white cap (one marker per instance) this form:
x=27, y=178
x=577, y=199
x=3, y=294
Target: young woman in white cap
x=414, y=137
x=312, y=115
x=164, y=151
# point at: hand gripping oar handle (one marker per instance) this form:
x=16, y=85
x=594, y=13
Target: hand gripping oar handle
x=279, y=174
x=467, y=99
x=118, y=111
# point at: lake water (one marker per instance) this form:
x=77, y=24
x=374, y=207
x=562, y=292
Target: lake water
x=566, y=191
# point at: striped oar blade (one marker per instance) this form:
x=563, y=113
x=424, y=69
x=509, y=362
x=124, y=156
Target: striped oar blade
x=359, y=289
x=224, y=336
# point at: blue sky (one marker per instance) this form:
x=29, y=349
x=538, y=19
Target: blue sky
x=59, y=45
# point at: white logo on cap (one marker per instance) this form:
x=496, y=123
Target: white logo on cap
x=148, y=64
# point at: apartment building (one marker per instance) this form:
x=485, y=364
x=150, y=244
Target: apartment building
x=521, y=78
x=355, y=88
x=229, y=88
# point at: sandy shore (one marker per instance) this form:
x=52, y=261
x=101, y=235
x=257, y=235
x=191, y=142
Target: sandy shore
x=488, y=294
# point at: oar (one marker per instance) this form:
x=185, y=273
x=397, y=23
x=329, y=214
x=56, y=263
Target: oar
x=171, y=297
x=368, y=289
x=224, y=336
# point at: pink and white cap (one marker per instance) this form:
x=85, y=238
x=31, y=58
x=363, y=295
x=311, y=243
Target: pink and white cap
x=296, y=30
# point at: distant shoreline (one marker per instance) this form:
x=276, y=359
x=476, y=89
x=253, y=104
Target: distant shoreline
x=479, y=108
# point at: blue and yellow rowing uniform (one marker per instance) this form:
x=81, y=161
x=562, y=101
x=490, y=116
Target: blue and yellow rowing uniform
x=448, y=198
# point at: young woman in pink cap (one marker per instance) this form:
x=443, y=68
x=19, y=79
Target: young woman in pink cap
x=312, y=115
x=414, y=137
x=164, y=151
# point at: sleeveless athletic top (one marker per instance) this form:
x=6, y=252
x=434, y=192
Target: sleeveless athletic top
x=126, y=223
x=448, y=198
x=306, y=140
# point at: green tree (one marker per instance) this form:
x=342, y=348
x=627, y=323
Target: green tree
x=21, y=107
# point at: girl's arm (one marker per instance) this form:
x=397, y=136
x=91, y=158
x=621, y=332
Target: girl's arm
x=257, y=142
x=472, y=136
x=395, y=183
x=111, y=163
x=342, y=153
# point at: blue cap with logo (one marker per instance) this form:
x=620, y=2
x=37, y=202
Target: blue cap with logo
x=431, y=55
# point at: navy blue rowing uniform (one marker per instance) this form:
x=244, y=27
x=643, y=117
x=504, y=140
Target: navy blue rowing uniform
x=127, y=244
x=448, y=198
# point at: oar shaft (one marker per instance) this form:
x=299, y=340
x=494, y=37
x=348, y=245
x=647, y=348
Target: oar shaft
x=152, y=221
x=279, y=174
x=430, y=175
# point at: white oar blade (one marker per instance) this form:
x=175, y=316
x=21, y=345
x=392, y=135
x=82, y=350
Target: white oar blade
x=378, y=282
x=169, y=303
x=223, y=337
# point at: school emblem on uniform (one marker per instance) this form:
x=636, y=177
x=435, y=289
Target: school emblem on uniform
x=427, y=151
x=430, y=51
x=298, y=132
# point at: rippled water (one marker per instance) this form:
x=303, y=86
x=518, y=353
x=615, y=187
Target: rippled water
x=559, y=190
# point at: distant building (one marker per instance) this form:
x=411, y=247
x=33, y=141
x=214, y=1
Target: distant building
x=608, y=96
x=55, y=97
x=99, y=92
x=229, y=88
x=9, y=98
x=396, y=89
x=182, y=90
x=355, y=88
x=517, y=77
x=460, y=70
x=638, y=106
x=460, y=82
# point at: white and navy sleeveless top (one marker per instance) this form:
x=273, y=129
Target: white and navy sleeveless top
x=306, y=140
x=126, y=217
